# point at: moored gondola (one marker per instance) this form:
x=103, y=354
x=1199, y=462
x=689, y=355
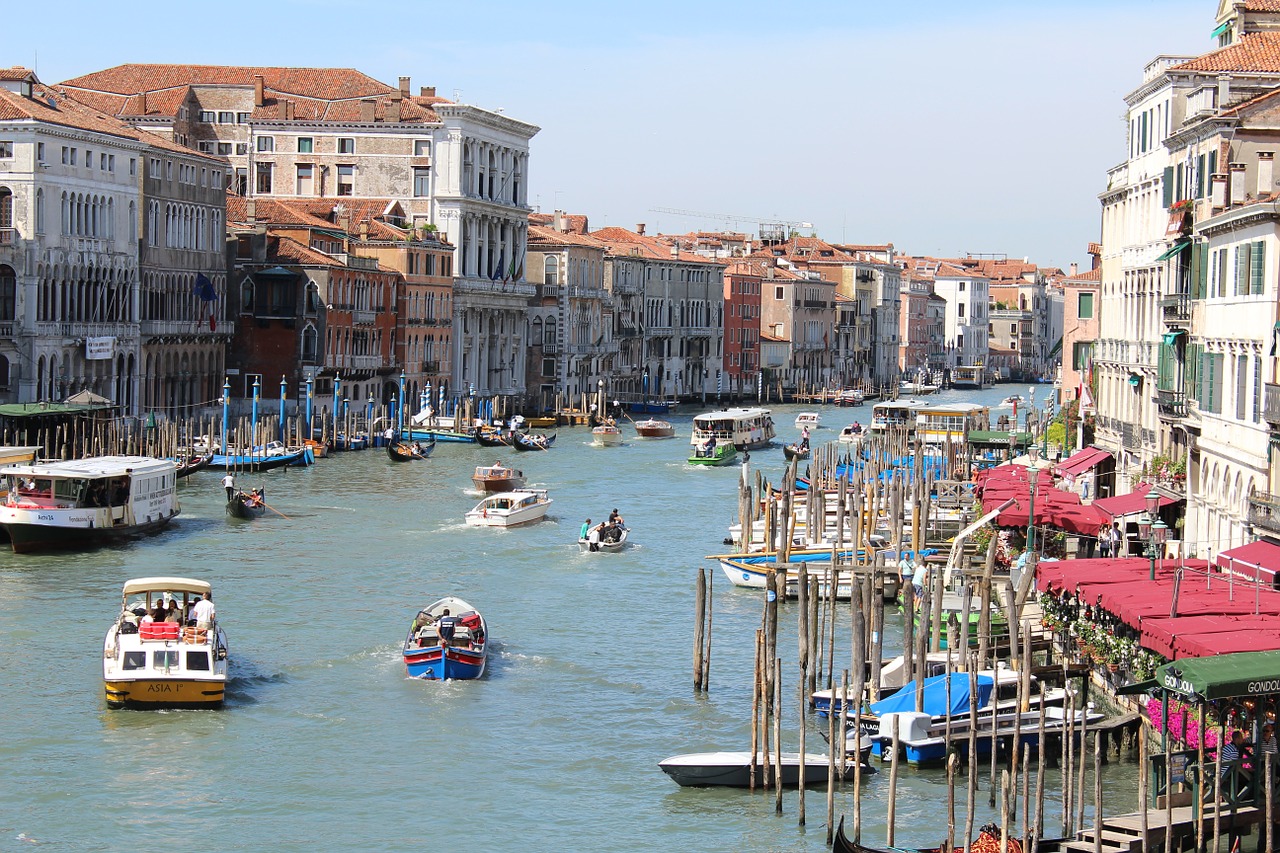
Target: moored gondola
x=191, y=463
x=533, y=442
x=408, y=451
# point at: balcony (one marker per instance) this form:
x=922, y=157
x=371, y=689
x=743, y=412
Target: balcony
x=1176, y=309
x=1271, y=403
x=1264, y=512
x=357, y=262
x=1171, y=404
x=49, y=329
x=198, y=326
x=366, y=362
x=430, y=367
x=364, y=318
x=1129, y=436
x=814, y=303
x=8, y=236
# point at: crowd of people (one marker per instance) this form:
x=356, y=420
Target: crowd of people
x=603, y=533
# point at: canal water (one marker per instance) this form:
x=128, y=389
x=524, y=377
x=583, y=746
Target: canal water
x=325, y=744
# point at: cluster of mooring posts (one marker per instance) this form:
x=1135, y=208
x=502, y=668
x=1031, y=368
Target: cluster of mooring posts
x=884, y=490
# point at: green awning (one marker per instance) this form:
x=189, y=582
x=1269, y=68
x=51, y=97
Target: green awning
x=989, y=436
x=1221, y=28
x=1223, y=676
x=1174, y=249
x=1138, y=687
x=1135, y=379
x=1171, y=338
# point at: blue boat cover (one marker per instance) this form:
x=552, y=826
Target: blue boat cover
x=935, y=696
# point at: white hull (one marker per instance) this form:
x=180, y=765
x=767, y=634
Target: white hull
x=509, y=509
x=602, y=437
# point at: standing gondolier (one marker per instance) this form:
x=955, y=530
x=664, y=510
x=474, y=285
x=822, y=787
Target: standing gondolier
x=229, y=483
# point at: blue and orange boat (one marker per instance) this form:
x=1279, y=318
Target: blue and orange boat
x=447, y=640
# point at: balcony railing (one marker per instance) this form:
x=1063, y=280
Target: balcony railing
x=1176, y=308
x=430, y=367
x=1171, y=404
x=8, y=236
x=1129, y=436
x=49, y=329
x=366, y=362
x=184, y=327
x=1264, y=512
x=364, y=318
x=1271, y=403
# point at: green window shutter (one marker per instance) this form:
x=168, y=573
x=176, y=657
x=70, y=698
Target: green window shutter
x=1257, y=265
x=1241, y=270
x=1166, y=189
x=1085, y=309
x=1191, y=379
x=1200, y=177
x=1197, y=270
x=1180, y=183
x=1142, y=134
x=1166, y=367
x=1213, y=162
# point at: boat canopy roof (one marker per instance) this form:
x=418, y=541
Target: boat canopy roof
x=94, y=466
x=730, y=415
x=161, y=584
x=935, y=696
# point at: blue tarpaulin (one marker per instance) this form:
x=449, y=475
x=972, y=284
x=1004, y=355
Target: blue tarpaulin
x=935, y=696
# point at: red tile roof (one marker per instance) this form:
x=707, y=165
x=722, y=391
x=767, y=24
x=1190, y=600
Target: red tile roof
x=545, y=236
x=621, y=241
x=288, y=250
x=1255, y=52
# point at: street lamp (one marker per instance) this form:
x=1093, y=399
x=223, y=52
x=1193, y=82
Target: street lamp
x=1153, y=531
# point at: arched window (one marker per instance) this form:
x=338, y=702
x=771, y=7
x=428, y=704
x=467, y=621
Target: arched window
x=549, y=332
x=537, y=330
x=551, y=270
x=312, y=303
x=6, y=215
x=310, y=340
x=246, y=296
x=40, y=211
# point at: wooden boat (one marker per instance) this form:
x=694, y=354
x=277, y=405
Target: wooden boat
x=796, y=451
x=247, y=504
x=404, y=451
x=532, y=441
x=721, y=454
x=541, y=423
x=190, y=463
x=319, y=449
x=497, y=478
x=851, y=397
x=159, y=664
x=746, y=429
x=492, y=438
x=812, y=420
x=271, y=455
x=654, y=428
x=606, y=435
x=988, y=841
x=734, y=769
x=87, y=502
x=508, y=509
x=447, y=640
x=610, y=544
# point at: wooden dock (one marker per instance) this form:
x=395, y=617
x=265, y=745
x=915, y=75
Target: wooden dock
x=1124, y=833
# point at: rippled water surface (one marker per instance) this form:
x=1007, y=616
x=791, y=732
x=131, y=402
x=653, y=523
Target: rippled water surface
x=324, y=744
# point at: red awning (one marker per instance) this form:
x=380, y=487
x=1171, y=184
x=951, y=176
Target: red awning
x=1228, y=642
x=1088, y=575
x=1171, y=637
x=1082, y=461
x=1134, y=502
x=1080, y=520
x=1259, y=558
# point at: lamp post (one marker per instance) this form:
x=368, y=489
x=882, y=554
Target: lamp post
x=1153, y=531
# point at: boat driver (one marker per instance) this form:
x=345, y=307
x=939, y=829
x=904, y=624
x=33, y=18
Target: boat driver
x=446, y=625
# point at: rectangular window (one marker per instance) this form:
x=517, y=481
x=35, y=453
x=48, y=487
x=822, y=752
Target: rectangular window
x=346, y=180
x=226, y=117
x=208, y=116
x=133, y=167
x=224, y=149
x=135, y=660
x=1242, y=269
x=960, y=309
x=777, y=293
x=1084, y=306
x=422, y=148
x=306, y=181
x=421, y=181
x=40, y=151
x=305, y=144
x=242, y=148
x=102, y=162
x=88, y=159
x=1242, y=386
x=164, y=658
x=73, y=156
x=263, y=182
x=6, y=149
x=198, y=661
x=346, y=145
x=1257, y=388
x=266, y=143
x=242, y=118
x=1013, y=329
x=208, y=147
x=168, y=170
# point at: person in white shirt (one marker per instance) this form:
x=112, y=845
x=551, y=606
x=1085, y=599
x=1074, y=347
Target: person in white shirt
x=204, y=612
x=229, y=483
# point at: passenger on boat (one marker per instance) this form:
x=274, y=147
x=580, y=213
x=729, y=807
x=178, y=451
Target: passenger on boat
x=204, y=611
x=616, y=519
x=709, y=446
x=586, y=528
x=160, y=612
x=593, y=538
x=174, y=613
x=446, y=625
x=804, y=438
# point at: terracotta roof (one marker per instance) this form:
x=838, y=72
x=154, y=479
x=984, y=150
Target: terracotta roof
x=541, y=235
x=273, y=212
x=288, y=250
x=317, y=94
x=575, y=222
x=51, y=105
x=1255, y=52
x=1261, y=5
x=1087, y=275
x=948, y=270
x=17, y=72
x=621, y=241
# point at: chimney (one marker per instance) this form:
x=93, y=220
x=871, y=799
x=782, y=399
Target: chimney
x=259, y=93
x=428, y=91
x=1075, y=268
x=143, y=111
x=557, y=221
x=251, y=211
x=640, y=229
x=404, y=87
x=367, y=108
x=1266, y=173
x=393, y=108
x=675, y=249
x=288, y=110
x=364, y=226
x=1224, y=90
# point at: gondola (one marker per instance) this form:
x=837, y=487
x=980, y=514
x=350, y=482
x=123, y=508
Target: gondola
x=796, y=451
x=533, y=442
x=988, y=841
x=404, y=451
x=492, y=438
x=191, y=463
x=246, y=505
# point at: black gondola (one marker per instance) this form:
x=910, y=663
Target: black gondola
x=988, y=840
x=491, y=438
x=188, y=465
x=246, y=505
x=796, y=451
x=533, y=442
x=408, y=451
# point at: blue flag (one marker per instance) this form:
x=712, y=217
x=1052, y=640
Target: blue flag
x=204, y=289
x=496, y=272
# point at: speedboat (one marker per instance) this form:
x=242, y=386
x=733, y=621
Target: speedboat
x=812, y=420
x=735, y=769
x=508, y=509
x=852, y=434
x=497, y=478
x=654, y=428
x=447, y=640
x=721, y=454
x=149, y=663
x=610, y=543
x=87, y=502
x=606, y=435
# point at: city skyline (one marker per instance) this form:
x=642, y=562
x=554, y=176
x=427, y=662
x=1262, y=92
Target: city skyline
x=945, y=131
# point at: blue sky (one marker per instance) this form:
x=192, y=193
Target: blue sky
x=942, y=127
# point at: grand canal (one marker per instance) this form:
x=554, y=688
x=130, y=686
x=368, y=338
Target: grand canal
x=324, y=744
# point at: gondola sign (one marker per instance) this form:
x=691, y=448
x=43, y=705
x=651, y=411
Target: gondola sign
x=1177, y=769
x=98, y=349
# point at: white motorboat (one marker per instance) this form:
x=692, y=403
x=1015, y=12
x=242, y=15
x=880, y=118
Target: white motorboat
x=812, y=420
x=852, y=434
x=735, y=769
x=606, y=435
x=610, y=543
x=87, y=501
x=745, y=429
x=508, y=509
x=151, y=660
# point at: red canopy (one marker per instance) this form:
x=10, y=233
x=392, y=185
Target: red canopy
x=1081, y=520
x=1228, y=642
x=1082, y=461
x=1262, y=556
x=1135, y=501
x=1135, y=602
x=1170, y=637
x=1068, y=575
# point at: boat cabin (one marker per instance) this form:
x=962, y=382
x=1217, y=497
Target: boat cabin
x=745, y=429
x=895, y=413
